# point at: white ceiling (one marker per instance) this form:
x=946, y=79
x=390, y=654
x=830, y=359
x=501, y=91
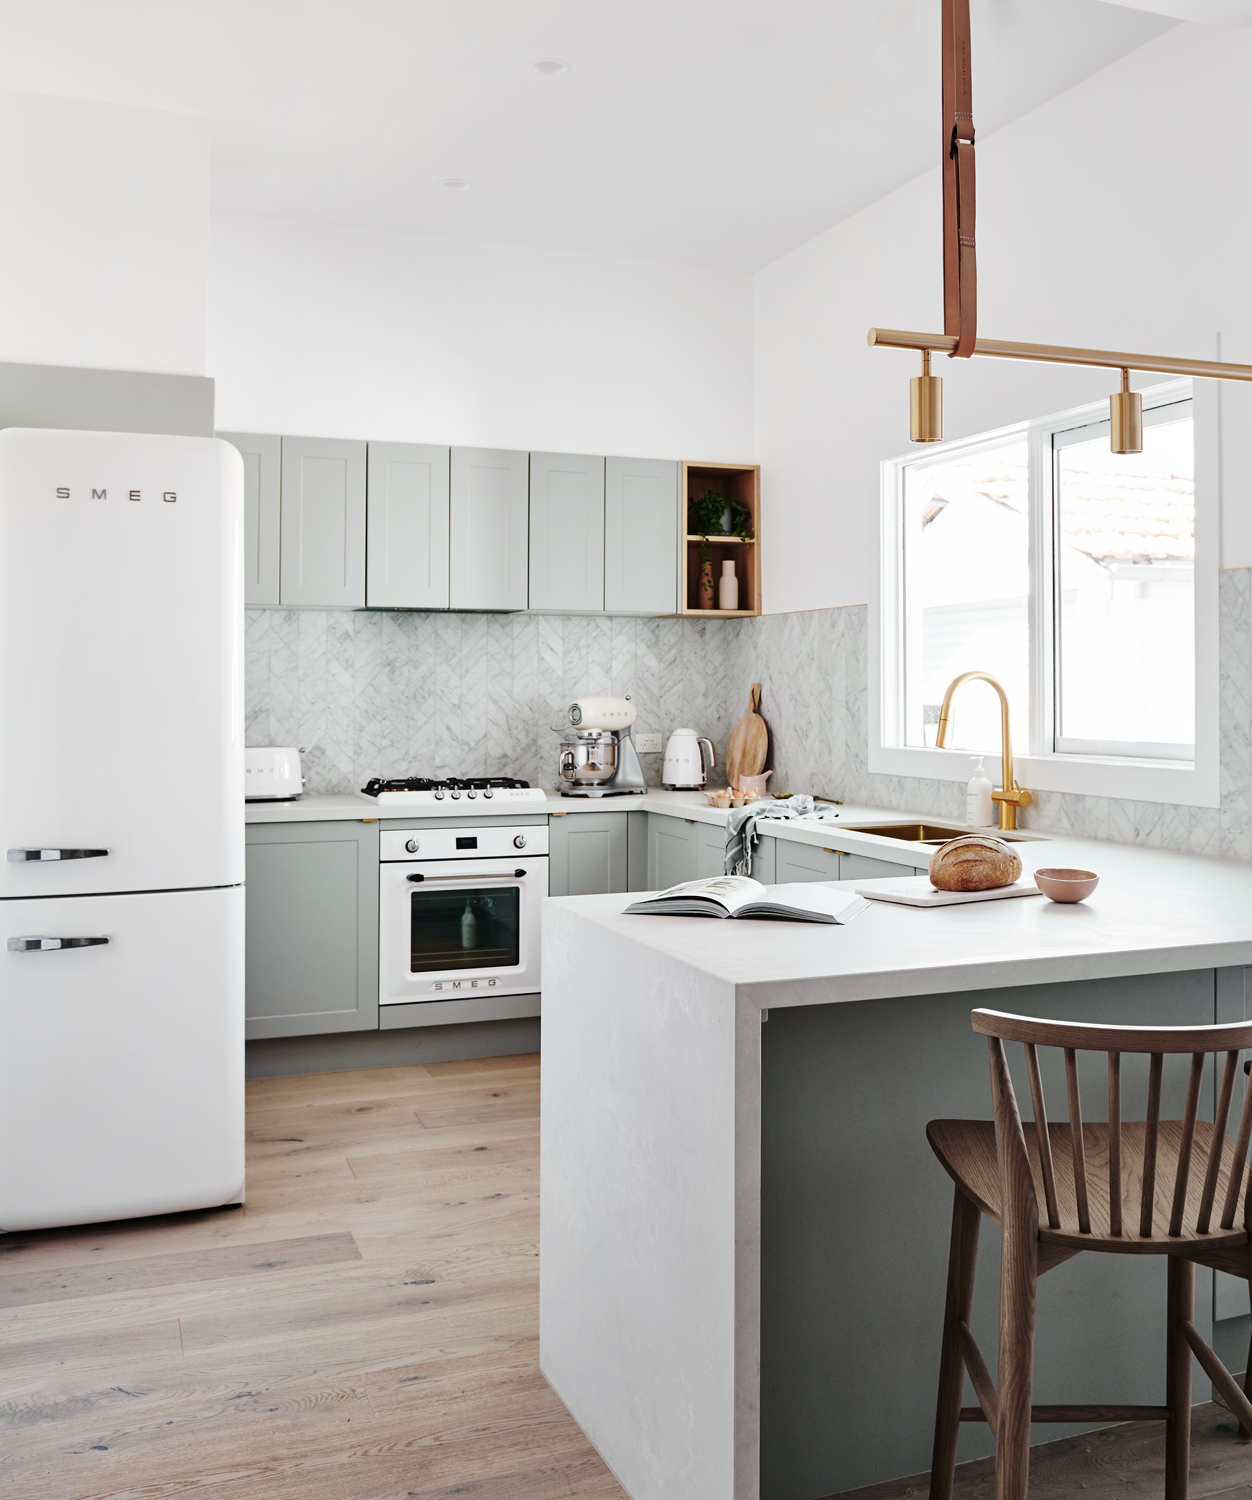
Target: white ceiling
x=715, y=132
x=1207, y=12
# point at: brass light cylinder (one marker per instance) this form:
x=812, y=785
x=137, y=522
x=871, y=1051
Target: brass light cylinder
x=1126, y=419
x=926, y=404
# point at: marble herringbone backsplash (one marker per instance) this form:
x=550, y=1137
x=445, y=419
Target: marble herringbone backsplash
x=378, y=693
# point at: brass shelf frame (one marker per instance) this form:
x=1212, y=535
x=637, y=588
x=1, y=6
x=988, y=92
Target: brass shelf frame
x=1060, y=354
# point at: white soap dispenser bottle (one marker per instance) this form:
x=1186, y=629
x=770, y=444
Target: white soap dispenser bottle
x=979, y=808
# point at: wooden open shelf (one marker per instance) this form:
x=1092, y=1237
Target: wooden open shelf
x=741, y=482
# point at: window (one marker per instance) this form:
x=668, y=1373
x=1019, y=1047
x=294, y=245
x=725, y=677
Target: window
x=1069, y=573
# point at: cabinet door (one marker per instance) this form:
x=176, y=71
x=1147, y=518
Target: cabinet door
x=406, y=564
x=710, y=849
x=262, y=492
x=566, y=532
x=861, y=867
x=587, y=854
x=312, y=933
x=764, y=859
x=641, y=536
x=671, y=851
x=488, y=528
x=804, y=862
x=323, y=525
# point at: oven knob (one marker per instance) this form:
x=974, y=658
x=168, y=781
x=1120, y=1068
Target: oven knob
x=456, y=796
x=411, y=846
x=487, y=793
x=520, y=841
x=471, y=795
x=438, y=796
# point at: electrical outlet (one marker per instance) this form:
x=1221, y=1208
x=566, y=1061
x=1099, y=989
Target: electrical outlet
x=648, y=744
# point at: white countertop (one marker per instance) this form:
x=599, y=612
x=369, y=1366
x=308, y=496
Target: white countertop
x=1154, y=911
x=339, y=806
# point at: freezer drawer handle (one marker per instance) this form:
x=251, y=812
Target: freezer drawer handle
x=417, y=879
x=24, y=856
x=48, y=945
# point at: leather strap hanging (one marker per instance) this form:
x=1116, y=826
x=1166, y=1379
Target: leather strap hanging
x=960, y=275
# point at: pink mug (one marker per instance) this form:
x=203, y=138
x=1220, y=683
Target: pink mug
x=755, y=784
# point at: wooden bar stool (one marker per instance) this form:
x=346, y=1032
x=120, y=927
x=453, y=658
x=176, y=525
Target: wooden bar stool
x=1142, y=1198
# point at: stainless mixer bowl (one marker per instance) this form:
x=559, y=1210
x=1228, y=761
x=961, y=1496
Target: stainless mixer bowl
x=588, y=756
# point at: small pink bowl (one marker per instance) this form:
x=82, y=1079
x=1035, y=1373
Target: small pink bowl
x=1066, y=885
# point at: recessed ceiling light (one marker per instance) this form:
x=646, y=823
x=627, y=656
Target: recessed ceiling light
x=453, y=184
x=551, y=66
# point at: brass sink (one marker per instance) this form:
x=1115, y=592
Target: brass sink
x=930, y=833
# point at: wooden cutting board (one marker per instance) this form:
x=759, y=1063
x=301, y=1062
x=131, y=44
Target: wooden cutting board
x=749, y=742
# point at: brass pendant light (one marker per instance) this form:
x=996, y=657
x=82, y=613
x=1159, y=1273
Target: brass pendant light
x=1126, y=418
x=960, y=340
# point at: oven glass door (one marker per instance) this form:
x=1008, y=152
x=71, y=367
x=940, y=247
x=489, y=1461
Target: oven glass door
x=461, y=926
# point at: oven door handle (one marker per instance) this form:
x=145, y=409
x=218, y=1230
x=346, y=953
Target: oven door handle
x=418, y=879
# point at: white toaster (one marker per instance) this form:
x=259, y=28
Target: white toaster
x=272, y=774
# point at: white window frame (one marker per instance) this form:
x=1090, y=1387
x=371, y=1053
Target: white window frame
x=1193, y=783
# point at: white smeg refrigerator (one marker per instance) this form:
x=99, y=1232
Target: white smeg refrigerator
x=121, y=828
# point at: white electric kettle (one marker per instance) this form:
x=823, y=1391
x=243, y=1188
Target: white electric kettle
x=685, y=767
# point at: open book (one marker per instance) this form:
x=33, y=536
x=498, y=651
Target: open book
x=741, y=896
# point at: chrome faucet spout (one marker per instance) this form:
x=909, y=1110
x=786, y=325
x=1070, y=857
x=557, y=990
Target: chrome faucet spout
x=1008, y=794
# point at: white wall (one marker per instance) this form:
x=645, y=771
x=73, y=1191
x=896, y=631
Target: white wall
x=346, y=332
x=1115, y=216
x=103, y=235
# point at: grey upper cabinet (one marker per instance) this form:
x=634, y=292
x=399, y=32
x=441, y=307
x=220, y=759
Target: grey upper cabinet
x=566, y=532
x=323, y=522
x=312, y=932
x=262, y=462
x=641, y=536
x=489, y=529
x=407, y=526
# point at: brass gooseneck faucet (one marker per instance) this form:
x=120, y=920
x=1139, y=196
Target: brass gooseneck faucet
x=1008, y=794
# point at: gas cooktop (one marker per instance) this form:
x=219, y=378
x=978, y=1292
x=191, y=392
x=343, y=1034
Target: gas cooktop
x=421, y=791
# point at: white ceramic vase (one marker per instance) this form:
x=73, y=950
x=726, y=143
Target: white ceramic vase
x=728, y=586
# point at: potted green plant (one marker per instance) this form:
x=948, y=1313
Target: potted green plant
x=713, y=515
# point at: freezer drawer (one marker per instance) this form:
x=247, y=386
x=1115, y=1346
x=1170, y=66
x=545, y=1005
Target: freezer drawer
x=121, y=1063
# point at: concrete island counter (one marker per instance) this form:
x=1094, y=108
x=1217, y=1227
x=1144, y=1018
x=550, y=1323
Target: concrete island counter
x=744, y=1232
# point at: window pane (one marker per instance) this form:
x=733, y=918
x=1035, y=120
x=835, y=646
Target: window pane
x=1126, y=593
x=966, y=586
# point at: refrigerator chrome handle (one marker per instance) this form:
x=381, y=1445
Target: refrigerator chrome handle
x=51, y=944
x=25, y=856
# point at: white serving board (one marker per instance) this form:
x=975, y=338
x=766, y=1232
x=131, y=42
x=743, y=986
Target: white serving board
x=918, y=891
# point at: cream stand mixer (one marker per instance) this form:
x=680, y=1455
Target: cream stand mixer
x=597, y=756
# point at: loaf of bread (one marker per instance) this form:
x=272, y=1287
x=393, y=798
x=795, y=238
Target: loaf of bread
x=973, y=862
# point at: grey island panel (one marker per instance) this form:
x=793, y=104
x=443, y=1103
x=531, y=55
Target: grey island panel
x=856, y=1213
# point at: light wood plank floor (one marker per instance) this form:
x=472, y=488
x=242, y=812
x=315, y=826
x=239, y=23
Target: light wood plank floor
x=366, y=1328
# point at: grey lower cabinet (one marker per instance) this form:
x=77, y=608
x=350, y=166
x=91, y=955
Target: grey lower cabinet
x=804, y=862
x=566, y=532
x=312, y=928
x=641, y=531
x=323, y=523
x=406, y=534
x=672, y=851
x=262, y=498
x=588, y=853
x=861, y=867
x=489, y=539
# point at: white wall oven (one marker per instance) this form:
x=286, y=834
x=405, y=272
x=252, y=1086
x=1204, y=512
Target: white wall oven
x=459, y=912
